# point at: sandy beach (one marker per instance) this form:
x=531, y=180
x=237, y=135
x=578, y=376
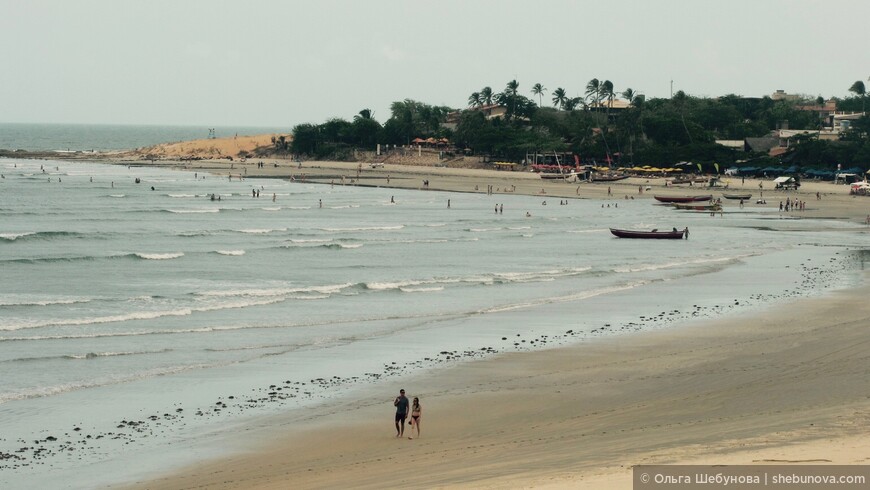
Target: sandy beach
x=833, y=202
x=789, y=384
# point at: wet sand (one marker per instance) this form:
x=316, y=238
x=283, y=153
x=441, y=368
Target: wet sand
x=791, y=383
x=835, y=202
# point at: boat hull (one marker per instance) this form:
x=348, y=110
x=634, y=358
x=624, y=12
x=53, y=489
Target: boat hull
x=682, y=199
x=672, y=235
x=697, y=207
x=745, y=197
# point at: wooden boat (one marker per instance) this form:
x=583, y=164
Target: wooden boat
x=688, y=180
x=671, y=199
x=607, y=178
x=697, y=207
x=674, y=235
x=745, y=197
x=556, y=175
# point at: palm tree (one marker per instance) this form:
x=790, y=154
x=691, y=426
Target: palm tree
x=511, y=91
x=680, y=99
x=486, y=96
x=860, y=90
x=570, y=103
x=474, y=100
x=539, y=90
x=607, y=93
x=593, y=91
x=364, y=114
x=559, y=98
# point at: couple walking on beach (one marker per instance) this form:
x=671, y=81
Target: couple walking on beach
x=402, y=405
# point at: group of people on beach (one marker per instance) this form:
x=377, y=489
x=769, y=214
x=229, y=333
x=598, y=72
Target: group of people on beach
x=403, y=406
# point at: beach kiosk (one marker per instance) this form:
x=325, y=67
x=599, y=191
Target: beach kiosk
x=785, y=183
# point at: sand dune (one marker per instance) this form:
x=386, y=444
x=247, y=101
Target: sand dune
x=208, y=148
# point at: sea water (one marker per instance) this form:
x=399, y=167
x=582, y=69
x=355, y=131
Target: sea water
x=107, y=137
x=138, y=321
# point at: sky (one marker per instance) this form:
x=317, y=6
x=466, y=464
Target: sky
x=282, y=63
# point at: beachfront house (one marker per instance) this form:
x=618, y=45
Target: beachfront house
x=490, y=111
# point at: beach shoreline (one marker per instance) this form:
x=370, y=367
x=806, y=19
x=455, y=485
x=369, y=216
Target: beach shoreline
x=823, y=200
x=497, y=423
x=786, y=385
x=544, y=418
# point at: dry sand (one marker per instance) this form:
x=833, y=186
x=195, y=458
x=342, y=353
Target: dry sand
x=835, y=202
x=205, y=148
x=790, y=384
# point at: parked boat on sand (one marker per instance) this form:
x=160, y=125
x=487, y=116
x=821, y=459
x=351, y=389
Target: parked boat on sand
x=673, y=234
x=672, y=199
x=745, y=197
x=697, y=207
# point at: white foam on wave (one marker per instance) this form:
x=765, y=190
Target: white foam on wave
x=164, y=256
x=139, y=315
x=422, y=240
x=484, y=279
x=150, y=315
x=37, y=301
x=45, y=391
x=194, y=211
x=271, y=209
x=311, y=240
x=365, y=228
x=281, y=291
x=422, y=290
x=15, y=236
x=562, y=299
x=481, y=230
x=94, y=355
x=260, y=231
x=231, y=252
x=117, y=195
x=680, y=263
x=181, y=195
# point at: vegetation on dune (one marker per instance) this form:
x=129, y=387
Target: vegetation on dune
x=636, y=131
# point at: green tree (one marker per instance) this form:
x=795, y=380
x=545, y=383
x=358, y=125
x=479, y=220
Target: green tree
x=858, y=89
x=607, y=94
x=559, y=98
x=511, y=92
x=538, y=89
x=364, y=114
x=593, y=92
x=486, y=95
x=474, y=100
x=680, y=100
x=306, y=139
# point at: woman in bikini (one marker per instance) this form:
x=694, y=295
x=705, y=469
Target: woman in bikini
x=416, y=415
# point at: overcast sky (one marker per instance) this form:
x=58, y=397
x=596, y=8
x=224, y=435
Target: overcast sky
x=271, y=63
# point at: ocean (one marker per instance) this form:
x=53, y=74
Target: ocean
x=138, y=322
x=106, y=137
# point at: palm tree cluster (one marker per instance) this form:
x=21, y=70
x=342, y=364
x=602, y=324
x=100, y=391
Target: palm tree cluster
x=649, y=131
